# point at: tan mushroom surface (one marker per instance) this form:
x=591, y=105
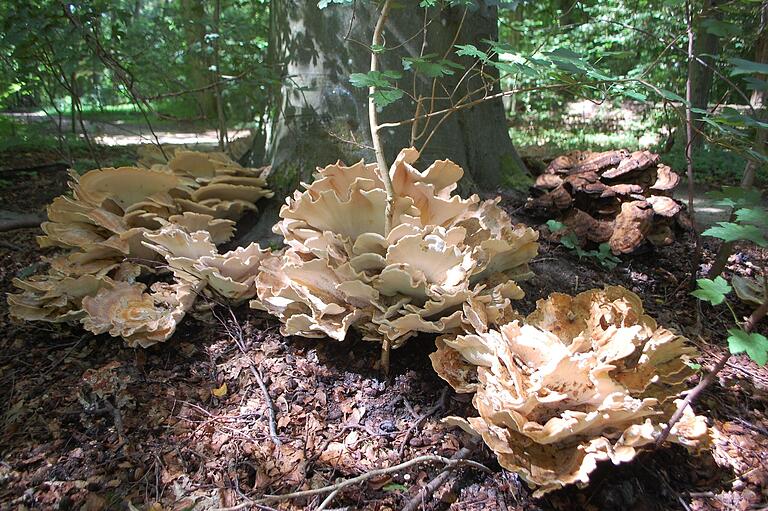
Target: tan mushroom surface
x=587, y=190
x=104, y=229
x=583, y=379
x=342, y=270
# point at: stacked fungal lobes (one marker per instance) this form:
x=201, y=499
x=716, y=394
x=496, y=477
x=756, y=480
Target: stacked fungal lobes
x=104, y=228
x=615, y=197
x=447, y=263
x=582, y=379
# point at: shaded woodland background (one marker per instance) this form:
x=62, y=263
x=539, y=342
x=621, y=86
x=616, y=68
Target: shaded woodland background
x=89, y=424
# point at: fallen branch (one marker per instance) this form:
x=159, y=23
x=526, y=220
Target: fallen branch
x=43, y=167
x=749, y=325
x=10, y=220
x=450, y=464
x=419, y=420
x=259, y=380
x=432, y=486
x=237, y=336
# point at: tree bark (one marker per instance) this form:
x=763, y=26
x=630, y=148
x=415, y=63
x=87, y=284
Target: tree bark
x=758, y=97
x=706, y=44
x=322, y=118
x=196, y=60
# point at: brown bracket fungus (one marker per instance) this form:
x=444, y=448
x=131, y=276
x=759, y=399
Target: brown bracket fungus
x=446, y=263
x=583, y=379
x=616, y=197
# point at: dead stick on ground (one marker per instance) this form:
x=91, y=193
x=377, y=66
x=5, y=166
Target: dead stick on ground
x=237, y=336
x=435, y=483
x=450, y=463
x=419, y=420
x=259, y=380
x=755, y=318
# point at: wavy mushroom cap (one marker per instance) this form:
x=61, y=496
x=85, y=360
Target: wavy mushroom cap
x=582, y=379
x=341, y=269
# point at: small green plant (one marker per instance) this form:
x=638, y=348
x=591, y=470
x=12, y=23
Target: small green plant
x=602, y=255
x=755, y=345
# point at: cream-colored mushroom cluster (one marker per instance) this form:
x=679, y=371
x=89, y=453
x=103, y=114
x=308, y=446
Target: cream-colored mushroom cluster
x=581, y=380
x=446, y=263
x=105, y=226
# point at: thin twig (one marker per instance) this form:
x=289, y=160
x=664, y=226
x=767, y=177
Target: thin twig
x=432, y=486
x=373, y=118
x=449, y=463
x=237, y=336
x=749, y=325
x=419, y=420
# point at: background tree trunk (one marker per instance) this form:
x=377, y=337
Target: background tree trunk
x=197, y=60
x=758, y=97
x=706, y=44
x=323, y=118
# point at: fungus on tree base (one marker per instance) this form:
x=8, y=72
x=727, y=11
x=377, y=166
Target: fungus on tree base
x=446, y=263
x=581, y=380
x=626, y=196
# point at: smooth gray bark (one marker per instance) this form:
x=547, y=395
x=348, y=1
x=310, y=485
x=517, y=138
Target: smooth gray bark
x=322, y=118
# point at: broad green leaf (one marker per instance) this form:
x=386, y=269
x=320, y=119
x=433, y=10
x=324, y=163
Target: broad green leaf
x=470, y=50
x=384, y=97
x=555, y=226
x=720, y=28
x=735, y=196
x=429, y=68
x=374, y=79
x=756, y=216
x=712, y=291
x=729, y=231
x=570, y=241
x=756, y=83
x=636, y=95
x=754, y=345
x=671, y=96
x=427, y=3
x=747, y=67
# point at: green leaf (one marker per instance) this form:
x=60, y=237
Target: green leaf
x=754, y=345
x=671, y=96
x=470, y=50
x=374, y=79
x=735, y=196
x=378, y=48
x=720, y=28
x=572, y=242
x=636, y=95
x=384, y=97
x=729, y=231
x=427, y=3
x=756, y=84
x=555, y=226
x=756, y=216
x=429, y=68
x=712, y=291
x=395, y=487
x=747, y=67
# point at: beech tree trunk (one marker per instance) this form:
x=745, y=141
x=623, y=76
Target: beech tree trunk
x=705, y=46
x=322, y=118
x=197, y=61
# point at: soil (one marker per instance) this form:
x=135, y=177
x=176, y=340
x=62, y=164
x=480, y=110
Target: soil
x=90, y=424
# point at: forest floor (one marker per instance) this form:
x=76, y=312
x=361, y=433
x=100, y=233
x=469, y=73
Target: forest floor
x=89, y=424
